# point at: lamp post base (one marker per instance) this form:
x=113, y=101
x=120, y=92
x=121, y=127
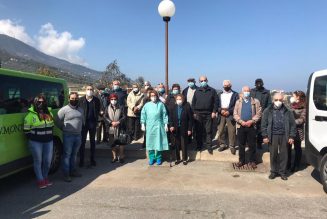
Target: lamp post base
x=166, y=19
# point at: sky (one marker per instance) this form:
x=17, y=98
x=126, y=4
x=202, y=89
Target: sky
x=280, y=41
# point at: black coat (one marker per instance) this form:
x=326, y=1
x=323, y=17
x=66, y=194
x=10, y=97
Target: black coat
x=96, y=104
x=263, y=96
x=205, y=100
x=186, y=118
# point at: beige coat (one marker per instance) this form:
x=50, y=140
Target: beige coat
x=256, y=111
x=134, y=100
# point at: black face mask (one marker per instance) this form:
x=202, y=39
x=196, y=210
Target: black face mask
x=259, y=86
x=73, y=102
x=227, y=88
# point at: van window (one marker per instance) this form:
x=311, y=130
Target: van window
x=17, y=94
x=320, y=93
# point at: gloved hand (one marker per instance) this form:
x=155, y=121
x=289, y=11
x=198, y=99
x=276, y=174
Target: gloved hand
x=143, y=127
x=166, y=128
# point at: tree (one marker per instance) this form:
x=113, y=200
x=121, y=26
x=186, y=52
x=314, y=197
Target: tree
x=46, y=72
x=112, y=73
x=140, y=80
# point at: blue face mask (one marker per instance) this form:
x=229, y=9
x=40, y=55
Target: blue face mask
x=175, y=92
x=246, y=94
x=161, y=90
x=204, y=83
x=191, y=84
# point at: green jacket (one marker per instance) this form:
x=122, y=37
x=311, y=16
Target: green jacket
x=36, y=129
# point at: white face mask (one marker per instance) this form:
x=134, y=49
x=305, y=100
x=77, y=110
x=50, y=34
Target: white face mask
x=113, y=102
x=179, y=102
x=135, y=90
x=146, y=87
x=116, y=87
x=89, y=93
x=153, y=99
x=278, y=104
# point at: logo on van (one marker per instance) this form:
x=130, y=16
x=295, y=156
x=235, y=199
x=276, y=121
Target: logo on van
x=8, y=130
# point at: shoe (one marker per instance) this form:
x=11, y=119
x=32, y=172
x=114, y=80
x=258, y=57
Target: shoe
x=222, y=148
x=253, y=165
x=272, y=176
x=177, y=162
x=121, y=160
x=284, y=178
x=239, y=164
x=159, y=162
x=114, y=160
x=185, y=162
x=47, y=182
x=67, y=178
x=41, y=184
x=151, y=162
x=75, y=174
x=210, y=151
x=233, y=150
x=93, y=163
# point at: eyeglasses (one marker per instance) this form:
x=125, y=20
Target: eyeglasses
x=203, y=80
x=278, y=99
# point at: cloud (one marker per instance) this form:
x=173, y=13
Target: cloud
x=48, y=40
x=60, y=45
x=15, y=30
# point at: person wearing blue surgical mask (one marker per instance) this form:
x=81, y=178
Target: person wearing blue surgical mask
x=190, y=90
x=247, y=113
x=204, y=105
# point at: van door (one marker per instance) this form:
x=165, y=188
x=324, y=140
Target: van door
x=317, y=110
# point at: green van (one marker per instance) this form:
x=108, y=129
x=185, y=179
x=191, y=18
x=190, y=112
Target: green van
x=17, y=91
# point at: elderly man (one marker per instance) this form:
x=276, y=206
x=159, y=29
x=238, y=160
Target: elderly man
x=247, y=113
x=204, y=105
x=226, y=102
x=189, y=91
x=122, y=94
x=278, y=129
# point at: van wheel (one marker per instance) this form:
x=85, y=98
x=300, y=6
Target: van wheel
x=323, y=172
x=56, y=157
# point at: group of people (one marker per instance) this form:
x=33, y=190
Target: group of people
x=250, y=119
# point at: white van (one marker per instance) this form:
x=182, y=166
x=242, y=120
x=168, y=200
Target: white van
x=316, y=125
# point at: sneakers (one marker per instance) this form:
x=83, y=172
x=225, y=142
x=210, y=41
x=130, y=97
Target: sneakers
x=47, y=182
x=41, y=184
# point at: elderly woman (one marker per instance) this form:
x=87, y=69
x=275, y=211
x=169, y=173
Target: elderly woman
x=114, y=117
x=181, y=123
x=298, y=108
x=38, y=127
x=154, y=121
x=134, y=104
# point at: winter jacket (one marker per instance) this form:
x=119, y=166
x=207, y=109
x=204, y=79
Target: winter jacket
x=263, y=96
x=205, y=100
x=256, y=111
x=267, y=123
x=135, y=100
x=96, y=104
x=36, y=129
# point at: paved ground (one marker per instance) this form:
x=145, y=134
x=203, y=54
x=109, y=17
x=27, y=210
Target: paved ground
x=202, y=189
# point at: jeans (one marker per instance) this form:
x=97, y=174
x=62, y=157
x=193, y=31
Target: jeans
x=42, y=155
x=72, y=144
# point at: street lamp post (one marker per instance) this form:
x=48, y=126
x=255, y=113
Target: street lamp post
x=166, y=10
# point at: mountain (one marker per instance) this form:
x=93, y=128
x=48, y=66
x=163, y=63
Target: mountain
x=20, y=56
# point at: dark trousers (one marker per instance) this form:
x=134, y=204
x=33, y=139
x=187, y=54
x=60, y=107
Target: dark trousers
x=278, y=154
x=298, y=153
x=102, y=126
x=247, y=135
x=90, y=128
x=181, y=141
x=259, y=135
x=203, y=126
x=134, y=127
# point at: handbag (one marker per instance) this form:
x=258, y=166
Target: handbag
x=124, y=138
